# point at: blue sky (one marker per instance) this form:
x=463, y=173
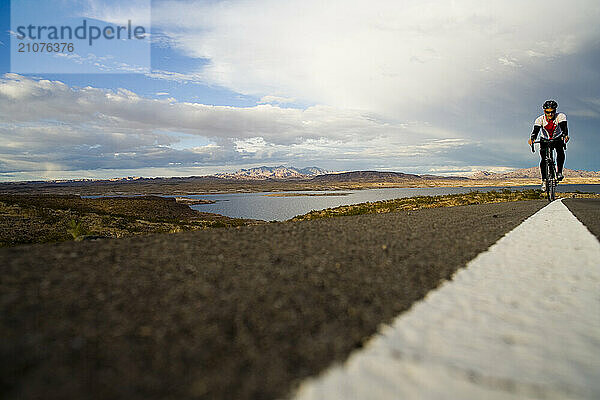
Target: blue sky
x=414, y=86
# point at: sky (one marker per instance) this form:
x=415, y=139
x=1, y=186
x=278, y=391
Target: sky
x=436, y=87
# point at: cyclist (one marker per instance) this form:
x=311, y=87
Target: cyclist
x=552, y=126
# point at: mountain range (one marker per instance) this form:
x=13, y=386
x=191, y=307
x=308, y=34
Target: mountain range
x=317, y=174
x=533, y=173
x=280, y=172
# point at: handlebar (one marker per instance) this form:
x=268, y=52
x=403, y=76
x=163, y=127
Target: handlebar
x=550, y=140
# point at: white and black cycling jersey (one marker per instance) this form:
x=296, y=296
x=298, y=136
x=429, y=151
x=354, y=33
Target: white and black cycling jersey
x=550, y=129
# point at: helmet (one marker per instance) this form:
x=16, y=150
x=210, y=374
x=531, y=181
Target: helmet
x=550, y=104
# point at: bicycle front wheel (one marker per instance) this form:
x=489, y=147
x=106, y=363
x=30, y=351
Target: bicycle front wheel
x=552, y=189
x=551, y=180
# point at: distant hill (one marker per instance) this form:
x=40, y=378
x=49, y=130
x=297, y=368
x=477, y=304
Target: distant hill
x=365, y=176
x=280, y=172
x=533, y=173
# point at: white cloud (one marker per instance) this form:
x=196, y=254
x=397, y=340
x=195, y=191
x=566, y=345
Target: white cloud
x=393, y=58
x=103, y=63
x=77, y=128
x=509, y=62
x=121, y=110
x=176, y=76
x=276, y=100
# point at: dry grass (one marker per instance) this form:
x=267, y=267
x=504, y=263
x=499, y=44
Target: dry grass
x=54, y=218
x=415, y=203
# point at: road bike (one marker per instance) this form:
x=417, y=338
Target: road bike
x=550, y=165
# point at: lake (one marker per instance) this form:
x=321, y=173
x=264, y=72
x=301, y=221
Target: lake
x=272, y=208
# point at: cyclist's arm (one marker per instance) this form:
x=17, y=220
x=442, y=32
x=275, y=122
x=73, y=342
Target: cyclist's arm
x=563, y=128
x=536, y=130
x=562, y=124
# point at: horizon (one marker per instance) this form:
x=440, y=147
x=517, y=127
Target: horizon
x=137, y=177
x=220, y=86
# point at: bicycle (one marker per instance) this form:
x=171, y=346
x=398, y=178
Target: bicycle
x=551, y=179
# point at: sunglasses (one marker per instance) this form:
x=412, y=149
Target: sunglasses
x=550, y=112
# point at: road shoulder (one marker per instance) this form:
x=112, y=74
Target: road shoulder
x=587, y=211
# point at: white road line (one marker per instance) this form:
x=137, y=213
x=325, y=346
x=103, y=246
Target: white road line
x=522, y=321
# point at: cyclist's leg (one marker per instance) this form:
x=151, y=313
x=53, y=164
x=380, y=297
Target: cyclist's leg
x=543, y=149
x=560, y=157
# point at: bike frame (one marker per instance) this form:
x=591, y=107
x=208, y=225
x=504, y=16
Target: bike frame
x=551, y=180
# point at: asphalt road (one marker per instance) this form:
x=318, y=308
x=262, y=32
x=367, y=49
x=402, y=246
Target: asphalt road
x=521, y=321
x=225, y=313
x=587, y=211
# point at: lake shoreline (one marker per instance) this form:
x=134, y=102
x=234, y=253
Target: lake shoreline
x=281, y=206
x=294, y=194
